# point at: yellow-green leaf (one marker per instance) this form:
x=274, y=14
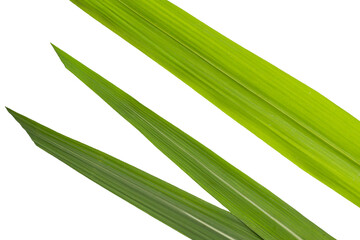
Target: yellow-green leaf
x=294, y=119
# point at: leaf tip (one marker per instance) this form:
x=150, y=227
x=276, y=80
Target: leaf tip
x=18, y=117
x=26, y=123
x=65, y=58
x=58, y=51
x=12, y=112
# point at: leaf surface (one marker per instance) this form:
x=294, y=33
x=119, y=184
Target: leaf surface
x=178, y=209
x=257, y=207
x=294, y=119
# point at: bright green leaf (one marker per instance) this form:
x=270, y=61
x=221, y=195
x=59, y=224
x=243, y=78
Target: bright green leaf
x=297, y=121
x=256, y=206
x=180, y=210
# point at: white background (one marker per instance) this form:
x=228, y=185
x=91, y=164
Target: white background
x=41, y=198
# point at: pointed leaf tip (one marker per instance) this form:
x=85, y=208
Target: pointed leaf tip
x=21, y=119
x=18, y=117
x=25, y=122
x=14, y=114
x=64, y=57
x=57, y=50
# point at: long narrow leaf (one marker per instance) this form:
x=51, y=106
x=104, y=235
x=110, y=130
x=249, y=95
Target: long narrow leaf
x=294, y=119
x=180, y=210
x=256, y=206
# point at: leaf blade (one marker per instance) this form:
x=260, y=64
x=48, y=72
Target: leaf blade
x=180, y=210
x=257, y=207
x=297, y=121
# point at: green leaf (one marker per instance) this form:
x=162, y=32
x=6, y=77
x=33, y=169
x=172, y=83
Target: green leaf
x=178, y=209
x=256, y=206
x=294, y=119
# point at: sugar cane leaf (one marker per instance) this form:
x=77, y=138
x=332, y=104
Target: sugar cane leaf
x=256, y=206
x=178, y=209
x=294, y=119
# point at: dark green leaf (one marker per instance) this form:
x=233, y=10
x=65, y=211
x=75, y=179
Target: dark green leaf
x=180, y=210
